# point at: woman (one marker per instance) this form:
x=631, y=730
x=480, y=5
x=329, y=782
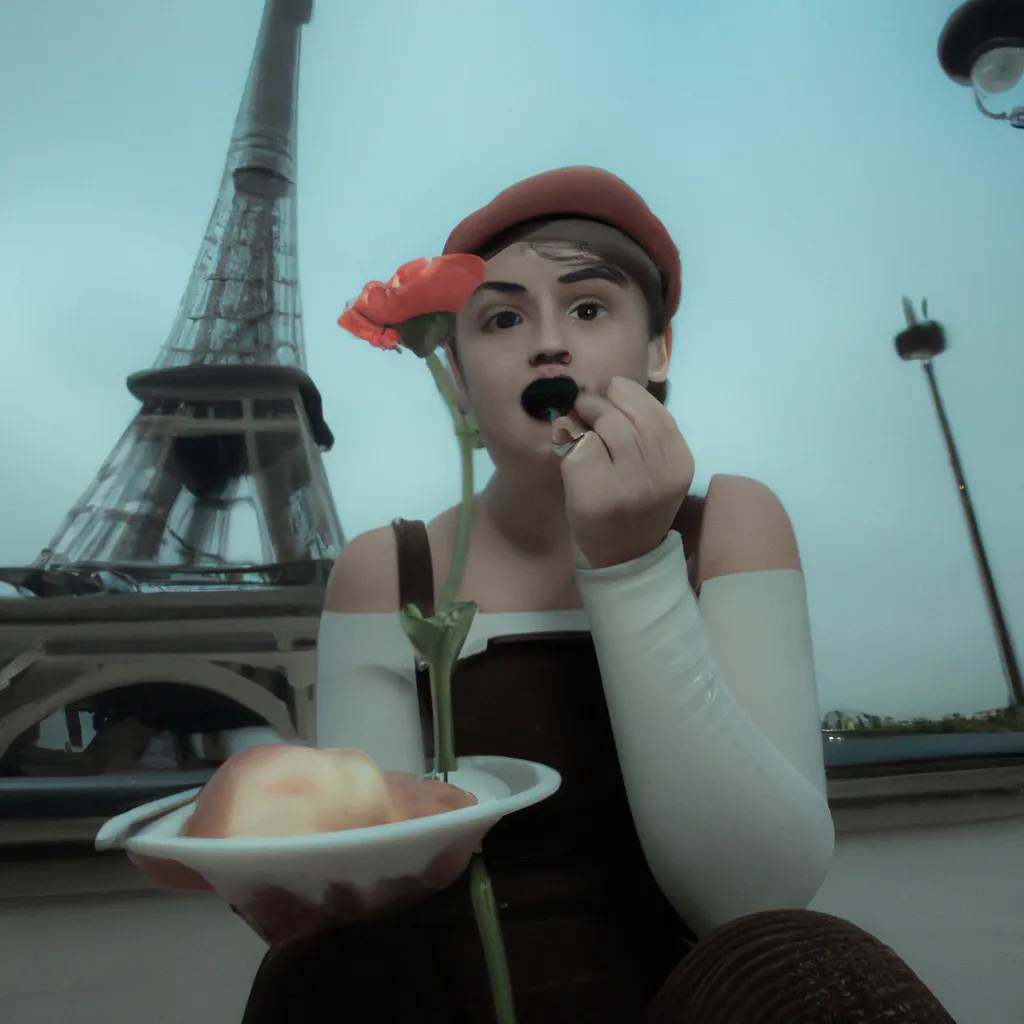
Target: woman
x=693, y=800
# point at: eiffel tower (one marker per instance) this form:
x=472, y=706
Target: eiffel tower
x=209, y=531
x=229, y=434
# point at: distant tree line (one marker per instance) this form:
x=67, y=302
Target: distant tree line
x=1009, y=719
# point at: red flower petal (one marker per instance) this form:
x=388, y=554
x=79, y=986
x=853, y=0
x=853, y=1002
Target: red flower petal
x=356, y=322
x=440, y=285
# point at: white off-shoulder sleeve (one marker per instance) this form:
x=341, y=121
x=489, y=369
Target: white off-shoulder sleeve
x=715, y=714
x=366, y=689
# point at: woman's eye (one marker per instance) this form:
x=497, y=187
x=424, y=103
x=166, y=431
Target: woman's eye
x=504, y=320
x=589, y=310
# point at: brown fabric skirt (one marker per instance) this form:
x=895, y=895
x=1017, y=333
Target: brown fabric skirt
x=778, y=967
x=794, y=967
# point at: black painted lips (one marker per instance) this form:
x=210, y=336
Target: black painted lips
x=549, y=397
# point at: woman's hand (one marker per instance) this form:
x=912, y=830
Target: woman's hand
x=624, y=482
x=279, y=916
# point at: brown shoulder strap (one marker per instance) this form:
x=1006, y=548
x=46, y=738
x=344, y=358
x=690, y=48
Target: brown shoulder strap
x=416, y=586
x=415, y=566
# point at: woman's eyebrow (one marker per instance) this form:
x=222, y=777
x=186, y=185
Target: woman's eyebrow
x=603, y=271
x=506, y=287
x=591, y=272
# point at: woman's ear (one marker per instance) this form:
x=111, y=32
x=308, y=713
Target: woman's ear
x=659, y=355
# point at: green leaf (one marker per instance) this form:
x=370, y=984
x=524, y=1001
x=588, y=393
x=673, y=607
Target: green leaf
x=439, y=638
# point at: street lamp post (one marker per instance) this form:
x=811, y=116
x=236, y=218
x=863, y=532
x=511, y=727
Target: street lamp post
x=982, y=46
x=923, y=340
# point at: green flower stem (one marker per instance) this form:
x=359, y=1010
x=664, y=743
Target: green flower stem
x=464, y=524
x=485, y=909
x=445, y=760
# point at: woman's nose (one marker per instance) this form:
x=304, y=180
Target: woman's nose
x=550, y=350
x=551, y=357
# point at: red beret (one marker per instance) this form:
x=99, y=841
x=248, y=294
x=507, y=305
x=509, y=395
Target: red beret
x=586, y=192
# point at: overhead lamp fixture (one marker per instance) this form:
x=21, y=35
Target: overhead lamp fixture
x=982, y=46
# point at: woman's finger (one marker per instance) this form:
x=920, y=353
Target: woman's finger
x=567, y=428
x=662, y=441
x=635, y=402
x=614, y=428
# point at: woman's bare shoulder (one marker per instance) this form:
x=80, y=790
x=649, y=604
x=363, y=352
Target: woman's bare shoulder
x=365, y=575
x=745, y=529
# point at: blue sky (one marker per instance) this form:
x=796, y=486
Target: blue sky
x=811, y=160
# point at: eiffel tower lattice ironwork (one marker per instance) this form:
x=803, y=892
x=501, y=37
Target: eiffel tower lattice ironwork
x=221, y=471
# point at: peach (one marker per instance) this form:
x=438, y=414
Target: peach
x=274, y=791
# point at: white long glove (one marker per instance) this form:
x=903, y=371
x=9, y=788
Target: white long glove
x=723, y=766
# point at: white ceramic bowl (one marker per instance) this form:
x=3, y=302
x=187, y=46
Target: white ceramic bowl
x=363, y=859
